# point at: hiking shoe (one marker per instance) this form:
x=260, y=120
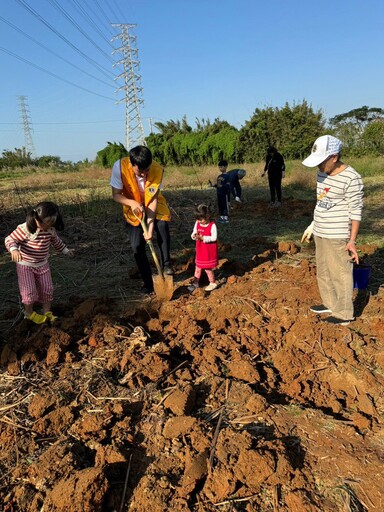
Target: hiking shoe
x=320, y=309
x=337, y=321
x=210, y=287
x=36, y=318
x=50, y=316
x=168, y=270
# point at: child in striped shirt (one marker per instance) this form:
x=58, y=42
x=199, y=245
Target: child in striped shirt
x=29, y=246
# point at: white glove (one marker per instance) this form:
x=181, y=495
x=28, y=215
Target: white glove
x=307, y=235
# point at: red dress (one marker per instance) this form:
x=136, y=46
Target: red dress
x=206, y=253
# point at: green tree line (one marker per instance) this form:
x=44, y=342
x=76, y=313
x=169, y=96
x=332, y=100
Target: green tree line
x=20, y=157
x=292, y=129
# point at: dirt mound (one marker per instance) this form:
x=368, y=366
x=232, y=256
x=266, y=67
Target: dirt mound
x=237, y=400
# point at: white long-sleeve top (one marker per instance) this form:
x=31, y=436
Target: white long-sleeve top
x=206, y=239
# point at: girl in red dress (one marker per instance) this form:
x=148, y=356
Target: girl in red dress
x=205, y=234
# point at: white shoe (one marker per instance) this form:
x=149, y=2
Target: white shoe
x=211, y=287
x=238, y=199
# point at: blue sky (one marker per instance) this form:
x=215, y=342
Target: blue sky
x=199, y=58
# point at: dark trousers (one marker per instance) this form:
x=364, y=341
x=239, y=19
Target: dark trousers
x=222, y=203
x=236, y=189
x=275, y=186
x=138, y=244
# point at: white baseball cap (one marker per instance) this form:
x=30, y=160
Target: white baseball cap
x=324, y=146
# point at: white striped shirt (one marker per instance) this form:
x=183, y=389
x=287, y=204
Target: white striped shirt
x=34, y=247
x=339, y=201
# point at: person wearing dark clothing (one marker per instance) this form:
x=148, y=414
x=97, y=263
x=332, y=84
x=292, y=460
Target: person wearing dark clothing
x=235, y=175
x=275, y=167
x=222, y=186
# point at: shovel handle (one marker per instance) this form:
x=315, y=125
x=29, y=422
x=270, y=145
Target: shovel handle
x=149, y=242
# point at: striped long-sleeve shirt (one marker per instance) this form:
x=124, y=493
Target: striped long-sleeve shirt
x=34, y=247
x=339, y=201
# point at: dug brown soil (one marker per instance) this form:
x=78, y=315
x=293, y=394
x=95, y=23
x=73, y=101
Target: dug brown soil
x=237, y=400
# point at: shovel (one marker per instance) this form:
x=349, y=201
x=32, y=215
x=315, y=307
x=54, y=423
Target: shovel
x=162, y=283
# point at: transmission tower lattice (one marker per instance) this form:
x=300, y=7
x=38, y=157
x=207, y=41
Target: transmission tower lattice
x=26, y=120
x=134, y=132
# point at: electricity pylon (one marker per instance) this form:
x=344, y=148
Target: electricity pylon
x=26, y=120
x=134, y=132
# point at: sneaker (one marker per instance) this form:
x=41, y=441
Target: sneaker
x=277, y=204
x=337, y=321
x=193, y=286
x=320, y=309
x=271, y=205
x=50, y=316
x=36, y=318
x=237, y=198
x=168, y=270
x=223, y=220
x=210, y=287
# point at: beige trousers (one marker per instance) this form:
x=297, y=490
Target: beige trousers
x=335, y=276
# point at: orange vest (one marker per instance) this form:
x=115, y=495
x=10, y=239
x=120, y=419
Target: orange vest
x=152, y=184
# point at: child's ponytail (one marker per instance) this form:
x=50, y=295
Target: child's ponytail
x=44, y=210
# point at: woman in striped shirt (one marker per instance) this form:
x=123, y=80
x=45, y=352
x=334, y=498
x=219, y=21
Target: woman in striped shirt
x=29, y=246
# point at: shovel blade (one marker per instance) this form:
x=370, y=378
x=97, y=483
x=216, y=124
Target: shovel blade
x=163, y=286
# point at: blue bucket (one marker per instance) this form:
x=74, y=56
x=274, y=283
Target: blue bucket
x=361, y=275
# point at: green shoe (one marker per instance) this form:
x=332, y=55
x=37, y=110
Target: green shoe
x=50, y=316
x=36, y=318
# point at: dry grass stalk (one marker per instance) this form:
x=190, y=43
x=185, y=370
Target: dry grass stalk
x=235, y=500
x=245, y=299
x=108, y=397
x=12, y=406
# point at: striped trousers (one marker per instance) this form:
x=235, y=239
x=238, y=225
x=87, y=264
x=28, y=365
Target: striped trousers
x=35, y=284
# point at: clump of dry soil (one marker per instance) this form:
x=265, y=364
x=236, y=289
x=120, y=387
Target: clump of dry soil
x=238, y=400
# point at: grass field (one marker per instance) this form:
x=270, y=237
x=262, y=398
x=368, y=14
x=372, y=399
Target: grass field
x=94, y=226
x=87, y=193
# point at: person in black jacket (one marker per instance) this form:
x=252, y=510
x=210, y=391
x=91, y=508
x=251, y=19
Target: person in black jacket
x=275, y=167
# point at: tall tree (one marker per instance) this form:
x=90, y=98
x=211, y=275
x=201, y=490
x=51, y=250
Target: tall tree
x=291, y=129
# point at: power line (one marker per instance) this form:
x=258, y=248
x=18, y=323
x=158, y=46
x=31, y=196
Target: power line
x=97, y=16
x=54, y=53
x=42, y=20
x=102, y=12
x=89, y=20
x=120, y=12
x=53, y=74
x=111, y=9
x=76, y=25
